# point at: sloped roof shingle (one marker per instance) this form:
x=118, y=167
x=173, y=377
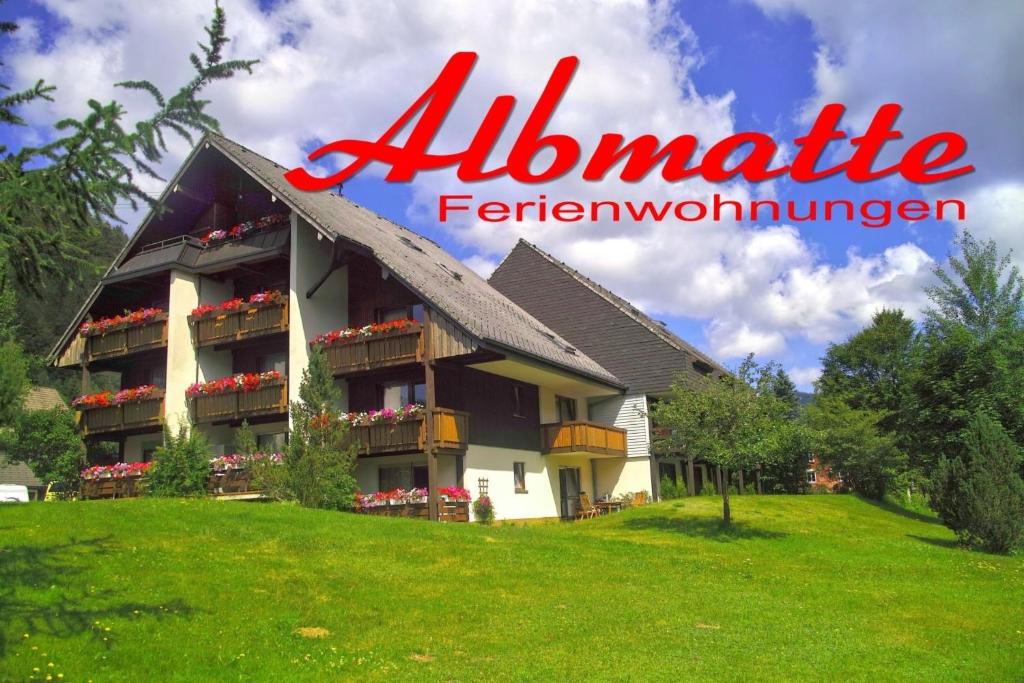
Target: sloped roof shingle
x=639, y=350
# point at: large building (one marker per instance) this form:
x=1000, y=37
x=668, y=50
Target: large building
x=189, y=312
x=642, y=352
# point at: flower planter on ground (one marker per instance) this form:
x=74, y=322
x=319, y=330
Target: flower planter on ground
x=413, y=504
x=382, y=345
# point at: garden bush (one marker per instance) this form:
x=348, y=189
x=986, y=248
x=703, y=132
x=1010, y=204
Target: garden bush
x=181, y=467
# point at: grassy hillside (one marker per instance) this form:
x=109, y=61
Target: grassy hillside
x=812, y=587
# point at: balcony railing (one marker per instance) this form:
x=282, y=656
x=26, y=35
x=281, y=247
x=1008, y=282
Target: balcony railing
x=386, y=350
x=584, y=438
x=116, y=343
x=245, y=323
x=451, y=432
x=269, y=399
x=124, y=417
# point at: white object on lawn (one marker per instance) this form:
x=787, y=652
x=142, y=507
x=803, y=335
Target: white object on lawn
x=13, y=493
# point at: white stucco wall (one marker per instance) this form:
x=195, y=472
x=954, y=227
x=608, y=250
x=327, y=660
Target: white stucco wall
x=181, y=355
x=327, y=310
x=542, y=498
x=135, y=444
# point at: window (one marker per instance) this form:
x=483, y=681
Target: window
x=519, y=472
x=148, y=449
x=390, y=478
x=158, y=376
x=566, y=408
x=517, y=401
x=812, y=477
x=394, y=395
x=414, y=312
x=272, y=443
x=274, y=361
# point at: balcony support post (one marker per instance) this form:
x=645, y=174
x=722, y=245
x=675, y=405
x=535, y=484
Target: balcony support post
x=691, y=485
x=431, y=404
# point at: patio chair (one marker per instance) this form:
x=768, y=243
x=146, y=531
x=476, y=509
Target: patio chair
x=586, y=510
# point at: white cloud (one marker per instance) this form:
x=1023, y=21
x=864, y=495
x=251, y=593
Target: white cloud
x=804, y=378
x=952, y=67
x=347, y=69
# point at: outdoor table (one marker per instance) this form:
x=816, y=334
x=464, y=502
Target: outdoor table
x=607, y=506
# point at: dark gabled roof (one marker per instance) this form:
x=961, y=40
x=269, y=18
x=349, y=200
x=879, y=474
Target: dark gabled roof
x=423, y=266
x=639, y=350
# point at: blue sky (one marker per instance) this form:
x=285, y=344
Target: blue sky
x=738, y=65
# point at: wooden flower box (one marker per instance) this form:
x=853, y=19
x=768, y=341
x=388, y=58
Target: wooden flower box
x=250, y=320
x=268, y=399
x=127, y=340
x=447, y=511
x=119, y=487
x=127, y=416
x=451, y=432
x=379, y=351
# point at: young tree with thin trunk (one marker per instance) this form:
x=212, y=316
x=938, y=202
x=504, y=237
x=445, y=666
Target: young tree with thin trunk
x=733, y=422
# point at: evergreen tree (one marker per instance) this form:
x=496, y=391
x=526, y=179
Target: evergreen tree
x=74, y=181
x=994, y=489
x=982, y=500
x=321, y=458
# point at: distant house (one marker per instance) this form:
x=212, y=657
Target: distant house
x=640, y=351
x=820, y=476
x=18, y=473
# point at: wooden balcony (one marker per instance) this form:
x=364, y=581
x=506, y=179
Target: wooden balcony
x=117, y=343
x=582, y=438
x=269, y=399
x=245, y=323
x=451, y=433
x=387, y=350
x=139, y=415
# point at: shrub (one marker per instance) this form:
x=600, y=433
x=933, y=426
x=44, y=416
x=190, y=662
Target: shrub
x=181, y=467
x=670, y=490
x=708, y=488
x=982, y=499
x=994, y=490
x=49, y=443
x=483, y=510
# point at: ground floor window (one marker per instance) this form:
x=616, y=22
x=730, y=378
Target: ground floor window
x=519, y=472
x=812, y=476
x=391, y=478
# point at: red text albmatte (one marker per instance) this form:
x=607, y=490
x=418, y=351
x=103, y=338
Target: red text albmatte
x=925, y=161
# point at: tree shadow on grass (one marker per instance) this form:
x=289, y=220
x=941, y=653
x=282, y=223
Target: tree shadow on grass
x=901, y=511
x=940, y=542
x=43, y=590
x=701, y=527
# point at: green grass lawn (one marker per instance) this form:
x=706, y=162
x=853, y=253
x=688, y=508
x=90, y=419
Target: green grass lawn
x=811, y=587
